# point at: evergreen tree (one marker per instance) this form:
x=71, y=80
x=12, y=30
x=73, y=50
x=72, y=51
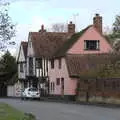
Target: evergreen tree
x=9, y=67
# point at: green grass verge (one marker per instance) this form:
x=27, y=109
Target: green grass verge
x=9, y=113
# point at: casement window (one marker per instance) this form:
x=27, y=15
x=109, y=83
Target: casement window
x=52, y=63
x=91, y=45
x=39, y=63
x=59, y=63
x=30, y=65
x=57, y=81
x=21, y=67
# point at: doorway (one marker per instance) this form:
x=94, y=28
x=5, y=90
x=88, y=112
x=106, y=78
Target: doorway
x=62, y=86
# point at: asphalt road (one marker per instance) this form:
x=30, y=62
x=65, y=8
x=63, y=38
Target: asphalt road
x=61, y=111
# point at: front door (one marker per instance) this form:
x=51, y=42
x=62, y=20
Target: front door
x=62, y=86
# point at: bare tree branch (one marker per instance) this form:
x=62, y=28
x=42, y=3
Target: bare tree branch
x=59, y=27
x=7, y=28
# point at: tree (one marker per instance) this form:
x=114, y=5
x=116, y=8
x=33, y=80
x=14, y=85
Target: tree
x=116, y=24
x=9, y=66
x=7, y=28
x=59, y=27
x=114, y=37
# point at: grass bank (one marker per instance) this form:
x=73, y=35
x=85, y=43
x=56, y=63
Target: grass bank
x=9, y=113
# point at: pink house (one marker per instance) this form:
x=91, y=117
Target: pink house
x=88, y=41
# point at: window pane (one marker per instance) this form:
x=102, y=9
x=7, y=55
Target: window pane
x=91, y=44
x=58, y=81
x=39, y=63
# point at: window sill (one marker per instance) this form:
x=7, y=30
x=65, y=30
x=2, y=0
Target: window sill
x=92, y=49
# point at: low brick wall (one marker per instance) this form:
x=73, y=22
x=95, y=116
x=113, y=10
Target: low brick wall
x=99, y=99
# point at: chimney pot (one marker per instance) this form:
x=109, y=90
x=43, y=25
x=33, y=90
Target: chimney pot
x=71, y=28
x=97, y=14
x=97, y=22
x=42, y=29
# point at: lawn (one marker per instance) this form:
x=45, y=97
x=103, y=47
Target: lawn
x=9, y=113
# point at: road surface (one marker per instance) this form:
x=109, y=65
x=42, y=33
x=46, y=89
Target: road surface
x=61, y=111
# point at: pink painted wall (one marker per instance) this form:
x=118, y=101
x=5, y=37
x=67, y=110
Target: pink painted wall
x=90, y=34
x=69, y=84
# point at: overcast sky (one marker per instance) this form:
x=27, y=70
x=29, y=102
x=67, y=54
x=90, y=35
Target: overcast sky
x=30, y=14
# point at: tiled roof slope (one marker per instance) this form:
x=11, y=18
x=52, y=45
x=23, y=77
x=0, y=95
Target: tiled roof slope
x=77, y=64
x=24, y=46
x=46, y=43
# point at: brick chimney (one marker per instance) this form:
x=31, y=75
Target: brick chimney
x=97, y=22
x=71, y=28
x=42, y=29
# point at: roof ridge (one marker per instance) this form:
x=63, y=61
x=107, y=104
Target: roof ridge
x=51, y=32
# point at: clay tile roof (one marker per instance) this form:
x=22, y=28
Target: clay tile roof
x=68, y=44
x=46, y=43
x=77, y=64
x=24, y=45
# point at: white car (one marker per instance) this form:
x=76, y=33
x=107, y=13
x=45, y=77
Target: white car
x=31, y=93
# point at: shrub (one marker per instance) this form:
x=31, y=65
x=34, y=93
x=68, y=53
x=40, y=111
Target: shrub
x=29, y=116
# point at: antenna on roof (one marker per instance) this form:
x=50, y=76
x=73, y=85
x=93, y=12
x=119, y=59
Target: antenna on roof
x=75, y=16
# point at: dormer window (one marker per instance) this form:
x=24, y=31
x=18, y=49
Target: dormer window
x=91, y=45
